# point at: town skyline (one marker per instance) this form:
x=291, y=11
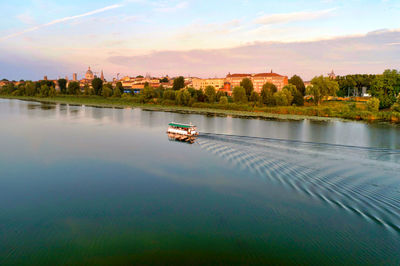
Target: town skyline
x=205, y=40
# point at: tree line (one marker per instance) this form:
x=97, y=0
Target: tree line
x=384, y=88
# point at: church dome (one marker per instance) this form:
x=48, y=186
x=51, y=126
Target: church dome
x=89, y=74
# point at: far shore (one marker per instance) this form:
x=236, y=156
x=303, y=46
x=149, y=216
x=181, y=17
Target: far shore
x=122, y=103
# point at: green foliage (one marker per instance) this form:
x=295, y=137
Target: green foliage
x=117, y=92
x=267, y=94
x=396, y=105
x=106, y=91
x=164, y=80
x=298, y=83
x=62, y=84
x=120, y=87
x=220, y=94
x=73, y=88
x=30, y=89
x=148, y=93
x=298, y=99
x=44, y=91
x=283, y=97
x=254, y=97
x=247, y=84
x=239, y=95
x=97, y=85
x=210, y=94
x=52, y=92
x=223, y=100
x=8, y=88
x=386, y=87
x=373, y=105
x=169, y=95
x=139, y=77
x=322, y=87
x=179, y=83
x=182, y=97
x=86, y=89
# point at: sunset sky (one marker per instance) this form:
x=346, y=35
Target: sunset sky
x=197, y=38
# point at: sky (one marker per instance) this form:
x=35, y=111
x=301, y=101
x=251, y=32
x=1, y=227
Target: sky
x=204, y=38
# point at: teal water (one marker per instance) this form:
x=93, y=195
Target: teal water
x=82, y=185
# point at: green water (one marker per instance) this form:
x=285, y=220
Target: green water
x=81, y=185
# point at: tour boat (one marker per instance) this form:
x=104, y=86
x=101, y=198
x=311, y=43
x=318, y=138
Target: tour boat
x=182, y=132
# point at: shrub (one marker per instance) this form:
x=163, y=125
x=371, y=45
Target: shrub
x=373, y=105
x=223, y=100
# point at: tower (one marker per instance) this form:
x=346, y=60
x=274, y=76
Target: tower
x=74, y=77
x=102, y=75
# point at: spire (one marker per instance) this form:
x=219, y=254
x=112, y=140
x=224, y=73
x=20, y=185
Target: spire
x=102, y=75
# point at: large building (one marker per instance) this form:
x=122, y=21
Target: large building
x=233, y=80
x=217, y=83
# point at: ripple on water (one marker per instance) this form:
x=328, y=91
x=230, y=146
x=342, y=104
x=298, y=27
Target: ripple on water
x=362, y=181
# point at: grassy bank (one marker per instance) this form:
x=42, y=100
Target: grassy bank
x=324, y=112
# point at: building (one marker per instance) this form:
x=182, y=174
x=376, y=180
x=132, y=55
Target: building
x=102, y=75
x=201, y=84
x=89, y=74
x=260, y=79
x=74, y=77
x=234, y=80
x=332, y=75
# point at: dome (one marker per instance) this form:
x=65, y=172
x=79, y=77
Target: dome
x=89, y=74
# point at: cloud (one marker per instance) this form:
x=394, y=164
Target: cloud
x=291, y=17
x=355, y=54
x=61, y=20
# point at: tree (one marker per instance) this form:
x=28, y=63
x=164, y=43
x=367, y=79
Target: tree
x=86, y=89
x=52, y=92
x=283, y=97
x=373, y=105
x=239, y=95
x=396, y=105
x=182, y=97
x=148, y=93
x=297, y=98
x=322, y=87
x=254, y=96
x=247, y=84
x=267, y=94
x=117, y=92
x=210, y=94
x=223, y=100
x=62, y=83
x=97, y=85
x=139, y=77
x=30, y=89
x=298, y=82
x=169, y=95
x=106, y=91
x=179, y=83
x=44, y=91
x=386, y=87
x=8, y=88
x=220, y=94
x=74, y=88
x=164, y=80
x=120, y=87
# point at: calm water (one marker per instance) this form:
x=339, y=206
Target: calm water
x=81, y=185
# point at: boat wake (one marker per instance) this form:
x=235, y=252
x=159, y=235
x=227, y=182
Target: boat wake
x=363, y=181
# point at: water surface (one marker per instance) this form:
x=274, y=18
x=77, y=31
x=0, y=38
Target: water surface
x=82, y=185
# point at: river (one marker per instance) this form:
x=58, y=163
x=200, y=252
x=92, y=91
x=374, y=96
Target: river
x=84, y=185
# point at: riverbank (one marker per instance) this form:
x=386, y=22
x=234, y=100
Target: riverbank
x=326, y=112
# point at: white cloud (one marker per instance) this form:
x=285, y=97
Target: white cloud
x=60, y=21
x=291, y=17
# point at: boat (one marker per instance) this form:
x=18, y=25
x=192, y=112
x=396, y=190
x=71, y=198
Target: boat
x=182, y=132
